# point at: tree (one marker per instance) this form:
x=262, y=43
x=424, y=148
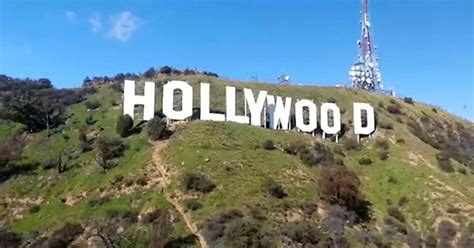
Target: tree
x=341, y=186
x=108, y=149
x=124, y=125
x=10, y=151
x=156, y=128
x=150, y=73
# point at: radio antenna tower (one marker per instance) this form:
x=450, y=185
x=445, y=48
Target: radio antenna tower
x=365, y=73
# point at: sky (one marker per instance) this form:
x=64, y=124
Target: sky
x=425, y=47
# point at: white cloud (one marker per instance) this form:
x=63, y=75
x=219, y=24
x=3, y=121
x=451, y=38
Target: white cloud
x=124, y=25
x=95, y=22
x=70, y=16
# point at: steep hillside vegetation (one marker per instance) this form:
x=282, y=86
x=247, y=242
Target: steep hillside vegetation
x=214, y=184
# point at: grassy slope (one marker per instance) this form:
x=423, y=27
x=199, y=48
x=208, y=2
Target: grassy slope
x=236, y=163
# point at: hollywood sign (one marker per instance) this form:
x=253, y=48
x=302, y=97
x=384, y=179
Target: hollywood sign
x=274, y=108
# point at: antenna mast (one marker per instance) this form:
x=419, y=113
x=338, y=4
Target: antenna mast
x=365, y=73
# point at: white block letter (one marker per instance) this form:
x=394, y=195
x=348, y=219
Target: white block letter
x=336, y=114
x=358, y=129
x=147, y=100
x=205, y=105
x=279, y=112
x=255, y=107
x=230, y=107
x=313, y=123
x=168, y=100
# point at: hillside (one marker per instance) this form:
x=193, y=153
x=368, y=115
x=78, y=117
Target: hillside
x=219, y=184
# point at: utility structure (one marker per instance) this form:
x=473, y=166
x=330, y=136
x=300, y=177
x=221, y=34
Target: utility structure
x=284, y=79
x=365, y=73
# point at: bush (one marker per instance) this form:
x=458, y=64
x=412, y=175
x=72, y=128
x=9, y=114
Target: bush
x=392, y=179
x=107, y=150
x=403, y=201
x=413, y=239
x=331, y=100
x=198, y=182
x=394, y=223
x=69, y=232
x=400, y=141
x=156, y=128
x=34, y=209
x=214, y=227
x=247, y=233
x=92, y=105
x=383, y=155
x=434, y=110
x=382, y=144
x=365, y=161
x=275, y=190
x=431, y=241
x=396, y=213
x=447, y=233
x=90, y=120
x=9, y=239
x=192, y=204
x=49, y=164
x=316, y=154
x=408, y=100
x=341, y=186
x=351, y=144
x=142, y=181
x=444, y=163
x=386, y=125
x=124, y=125
x=303, y=234
x=268, y=145
x=394, y=109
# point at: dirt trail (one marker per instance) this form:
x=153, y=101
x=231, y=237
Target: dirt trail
x=164, y=181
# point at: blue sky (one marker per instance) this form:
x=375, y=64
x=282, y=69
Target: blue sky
x=425, y=47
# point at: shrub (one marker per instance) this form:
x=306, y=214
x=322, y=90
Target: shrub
x=408, y=100
x=193, y=204
x=434, y=110
x=150, y=73
x=341, y=186
x=247, y=233
x=394, y=223
x=413, y=239
x=400, y=141
x=331, y=100
x=394, y=109
x=69, y=232
x=351, y=144
x=34, y=208
x=392, y=179
x=447, y=233
x=403, y=201
x=142, y=181
x=382, y=144
x=198, y=182
x=444, y=163
x=269, y=145
x=396, y=213
x=156, y=128
x=431, y=241
x=108, y=149
x=295, y=147
x=90, y=120
x=383, y=155
x=316, y=154
x=153, y=216
x=386, y=125
x=275, y=190
x=462, y=171
x=49, y=164
x=92, y=105
x=365, y=161
x=124, y=125
x=214, y=227
x=302, y=233
x=11, y=150
x=9, y=239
